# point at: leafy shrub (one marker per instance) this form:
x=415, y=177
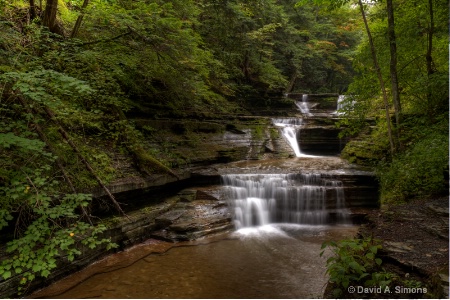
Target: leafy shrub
x=47, y=224
x=355, y=262
x=419, y=171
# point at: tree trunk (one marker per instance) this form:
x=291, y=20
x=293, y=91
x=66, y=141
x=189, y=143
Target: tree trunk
x=291, y=82
x=393, y=66
x=32, y=10
x=429, y=58
x=77, y=26
x=49, y=18
x=380, y=78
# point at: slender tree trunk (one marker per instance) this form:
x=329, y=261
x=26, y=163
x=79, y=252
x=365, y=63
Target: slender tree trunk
x=65, y=136
x=49, y=18
x=380, y=77
x=393, y=67
x=32, y=10
x=77, y=26
x=291, y=82
x=429, y=58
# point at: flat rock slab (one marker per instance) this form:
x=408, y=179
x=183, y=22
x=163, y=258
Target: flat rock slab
x=169, y=217
x=397, y=247
x=307, y=164
x=415, y=235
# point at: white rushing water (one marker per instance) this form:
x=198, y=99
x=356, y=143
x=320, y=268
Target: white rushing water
x=289, y=128
x=340, y=104
x=344, y=102
x=262, y=199
x=303, y=105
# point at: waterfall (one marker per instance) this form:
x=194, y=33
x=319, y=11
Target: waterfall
x=303, y=105
x=261, y=199
x=289, y=129
x=343, y=102
x=341, y=212
x=340, y=104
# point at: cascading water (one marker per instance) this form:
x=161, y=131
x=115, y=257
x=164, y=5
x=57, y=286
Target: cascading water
x=262, y=199
x=303, y=105
x=343, y=102
x=340, y=104
x=289, y=129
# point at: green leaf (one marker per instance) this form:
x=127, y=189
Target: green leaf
x=363, y=275
x=36, y=268
x=45, y=273
x=6, y=274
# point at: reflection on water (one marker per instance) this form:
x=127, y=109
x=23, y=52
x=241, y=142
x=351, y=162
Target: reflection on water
x=272, y=261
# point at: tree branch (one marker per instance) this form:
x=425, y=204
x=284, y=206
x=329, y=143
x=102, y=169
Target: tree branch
x=107, y=40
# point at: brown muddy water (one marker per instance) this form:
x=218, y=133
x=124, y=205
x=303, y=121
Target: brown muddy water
x=272, y=261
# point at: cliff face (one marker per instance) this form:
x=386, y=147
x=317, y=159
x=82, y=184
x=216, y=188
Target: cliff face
x=187, y=145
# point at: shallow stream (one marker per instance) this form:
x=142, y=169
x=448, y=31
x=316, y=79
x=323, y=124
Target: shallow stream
x=272, y=261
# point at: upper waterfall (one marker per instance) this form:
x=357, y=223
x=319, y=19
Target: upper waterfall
x=303, y=105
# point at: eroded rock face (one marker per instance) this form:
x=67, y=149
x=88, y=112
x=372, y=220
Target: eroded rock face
x=193, y=217
x=198, y=145
x=322, y=140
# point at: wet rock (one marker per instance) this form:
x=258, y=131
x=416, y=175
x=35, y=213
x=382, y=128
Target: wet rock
x=443, y=276
x=439, y=210
x=202, y=216
x=321, y=140
x=187, y=195
x=168, y=218
x=439, y=230
x=397, y=247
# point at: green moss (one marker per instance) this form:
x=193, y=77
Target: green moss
x=274, y=133
x=147, y=163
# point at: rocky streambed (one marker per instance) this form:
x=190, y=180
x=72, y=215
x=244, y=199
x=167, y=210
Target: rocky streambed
x=201, y=211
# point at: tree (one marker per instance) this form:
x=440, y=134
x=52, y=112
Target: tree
x=77, y=25
x=380, y=78
x=393, y=66
x=32, y=10
x=49, y=16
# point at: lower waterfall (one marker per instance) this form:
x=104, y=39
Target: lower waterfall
x=262, y=199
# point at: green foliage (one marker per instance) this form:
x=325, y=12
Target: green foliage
x=48, y=225
x=329, y=38
x=355, y=262
x=55, y=232
x=34, y=200
x=419, y=170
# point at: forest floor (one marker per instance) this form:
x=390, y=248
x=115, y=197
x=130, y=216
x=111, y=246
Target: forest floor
x=415, y=239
